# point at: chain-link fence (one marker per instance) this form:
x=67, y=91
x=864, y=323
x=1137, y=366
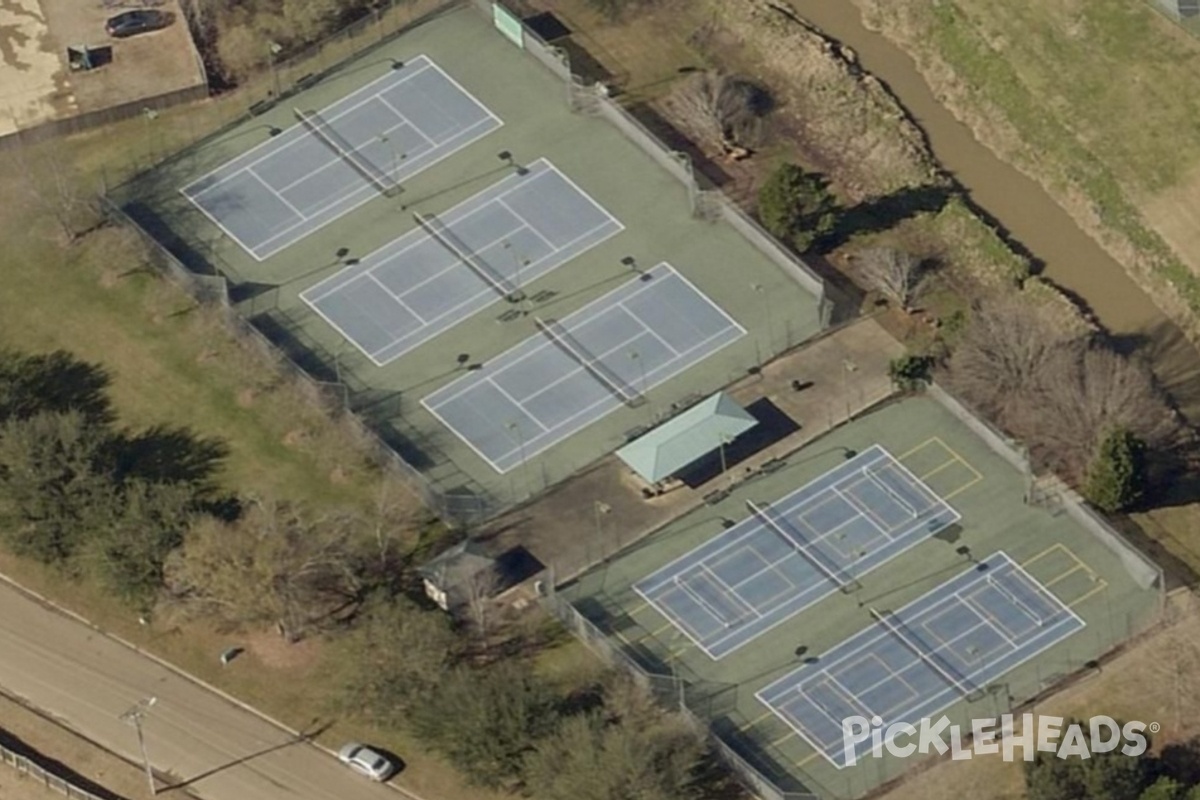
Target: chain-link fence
x=704, y=202
x=671, y=690
x=1184, y=13
x=1144, y=572
x=36, y=772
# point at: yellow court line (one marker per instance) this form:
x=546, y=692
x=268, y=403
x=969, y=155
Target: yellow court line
x=1044, y=553
x=668, y=627
x=963, y=488
x=758, y=719
x=965, y=463
x=1099, y=588
x=637, y=608
x=948, y=463
x=921, y=446
x=1066, y=575
x=783, y=738
x=804, y=761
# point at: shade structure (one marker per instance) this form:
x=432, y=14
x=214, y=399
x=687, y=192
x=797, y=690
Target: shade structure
x=682, y=440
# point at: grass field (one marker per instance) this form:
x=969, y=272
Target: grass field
x=1097, y=100
x=984, y=488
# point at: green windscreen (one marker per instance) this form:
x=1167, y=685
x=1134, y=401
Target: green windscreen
x=508, y=24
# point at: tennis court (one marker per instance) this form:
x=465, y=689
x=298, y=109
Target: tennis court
x=944, y=646
x=487, y=248
x=576, y=370
x=366, y=144
x=789, y=555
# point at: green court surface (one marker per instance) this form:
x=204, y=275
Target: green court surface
x=537, y=124
x=985, y=489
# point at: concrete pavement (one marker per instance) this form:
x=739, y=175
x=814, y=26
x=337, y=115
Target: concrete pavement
x=197, y=740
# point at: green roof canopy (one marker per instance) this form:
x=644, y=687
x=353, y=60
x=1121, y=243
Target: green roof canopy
x=693, y=434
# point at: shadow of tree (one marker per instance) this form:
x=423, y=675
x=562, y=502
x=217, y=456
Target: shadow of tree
x=164, y=454
x=52, y=382
x=874, y=216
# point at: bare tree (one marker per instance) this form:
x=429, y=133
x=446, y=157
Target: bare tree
x=722, y=112
x=56, y=189
x=274, y=565
x=1001, y=353
x=1082, y=392
x=895, y=274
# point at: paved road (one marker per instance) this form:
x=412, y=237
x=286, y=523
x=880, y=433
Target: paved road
x=193, y=736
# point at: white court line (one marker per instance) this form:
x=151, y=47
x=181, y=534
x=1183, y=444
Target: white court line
x=463, y=211
x=752, y=523
x=727, y=589
x=409, y=122
x=621, y=305
x=576, y=320
x=344, y=334
x=280, y=150
x=433, y=327
x=1041, y=589
x=315, y=174
x=609, y=399
x=781, y=685
x=395, y=297
x=527, y=224
x=982, y=614
x=368, y=190
x=678, y=622
x=417, y=164
x=851, y=696
x=831, y=532
x=862, y=511
x=592, y=311
x=516, y=404
x=278, y=196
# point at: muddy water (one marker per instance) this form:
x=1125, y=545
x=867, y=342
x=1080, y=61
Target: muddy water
x=1069, y=256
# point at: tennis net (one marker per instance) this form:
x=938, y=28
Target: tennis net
x=923, y=653
x=440, y=233
x=1011, y=596
x=316, y=125
x=805, y=548
x=560, y=337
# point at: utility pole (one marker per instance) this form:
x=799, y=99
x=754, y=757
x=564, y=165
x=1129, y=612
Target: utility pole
x=134, y=717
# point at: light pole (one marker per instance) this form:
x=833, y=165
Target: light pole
x=848, y=366
x=758, y=289
x=520, y=263
x=134, y=717
x=600, y=507
x=149, y=114
x=724, y=466
x=515, y=428
x=397, y=157
x=273, y=49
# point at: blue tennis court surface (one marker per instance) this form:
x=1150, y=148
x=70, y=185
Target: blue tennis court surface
x=944, y=646
x=489, y=246
x=788, y=555
x=580, y=368
x=394, y=127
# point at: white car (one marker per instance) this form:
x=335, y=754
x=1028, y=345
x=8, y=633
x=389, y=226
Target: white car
x=366, y=761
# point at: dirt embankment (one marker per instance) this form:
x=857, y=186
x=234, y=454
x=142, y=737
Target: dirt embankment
x=1134, y=243
x=846, y=124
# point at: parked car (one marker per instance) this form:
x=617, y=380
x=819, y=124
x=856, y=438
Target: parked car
x=129, y=23
x=366, y=761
